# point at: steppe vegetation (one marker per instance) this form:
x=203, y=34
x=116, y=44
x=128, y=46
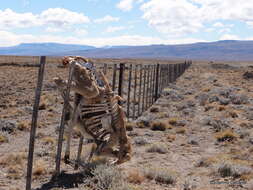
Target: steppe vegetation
x=198, y=135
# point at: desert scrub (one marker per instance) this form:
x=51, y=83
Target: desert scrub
x=227, y=135
x=180, y=130
x=171, y=138
x=160, y=175
x=24, y=125
x=143, y=124
x=48, y=140
x=13, y=158
x=158, y=147
x=141, y=141
x=3, y=139
x=159, y=126
x=134, y=176
x=107, y=177
x=174, y=121
x=39, y=168
x=229, y=169
x=154, y=109
x=130, y=126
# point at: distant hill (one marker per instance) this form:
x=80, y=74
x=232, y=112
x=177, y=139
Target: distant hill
x=228, y=50
x=42, y=49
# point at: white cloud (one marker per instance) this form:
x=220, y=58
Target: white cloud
x=107, y=18
x=111, y=29
x=218, y=25
x=11, y=39
x=189, y=16
x=81, y=32
x=11, y=19
x=172, y=17
x=55, y=17
x=62, y=17
x=53, y=29
x=229, y=37
x=125, y=5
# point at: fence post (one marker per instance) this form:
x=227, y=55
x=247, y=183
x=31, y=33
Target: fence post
x=144, y=88
x=34, y=122
x=121, y=80
x=135, y=86
x=156, y=81
x=61, y=131
x=148, y=88
x=140, y=87
x=129, y=89
x=114, y=76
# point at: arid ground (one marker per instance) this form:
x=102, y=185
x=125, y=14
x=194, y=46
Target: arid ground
x=198, y=135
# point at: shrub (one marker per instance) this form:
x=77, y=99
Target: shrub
x=159, y=126
x=227, y=169
x=173, y=121
x=181, y=130
x=141, y=141
x=24, y=125
x=135, y=177
x=154, y=109
x=3, y=139
x=107, y=177
x=160, y=175
x=130, y=126
x=226, y=135
x=158, y=147
x=171, y=138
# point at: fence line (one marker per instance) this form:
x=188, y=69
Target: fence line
x=140, y=84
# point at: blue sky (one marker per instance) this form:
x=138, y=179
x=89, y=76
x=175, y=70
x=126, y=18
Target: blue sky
x=124, y=22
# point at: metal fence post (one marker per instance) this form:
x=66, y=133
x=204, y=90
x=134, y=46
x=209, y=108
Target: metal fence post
x=157, y=81
x=34, y=122
x=61, y=131
x=121, y=80
x=129, y=89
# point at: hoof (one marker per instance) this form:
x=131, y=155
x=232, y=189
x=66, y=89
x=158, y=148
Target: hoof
x=66, y=159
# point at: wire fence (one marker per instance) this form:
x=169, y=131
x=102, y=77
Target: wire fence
x=139, y=84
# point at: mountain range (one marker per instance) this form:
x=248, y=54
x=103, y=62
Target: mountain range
x=227, y=50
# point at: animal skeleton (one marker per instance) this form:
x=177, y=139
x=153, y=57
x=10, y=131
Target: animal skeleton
x=95, y=112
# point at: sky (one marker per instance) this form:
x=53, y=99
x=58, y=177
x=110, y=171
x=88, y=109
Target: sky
x=124, y=22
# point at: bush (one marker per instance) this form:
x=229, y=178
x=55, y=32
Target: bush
x=226, y=135
x=160, y=175
x=107, y=177
x=141, y=141
x=159, y=126
x=158, y=147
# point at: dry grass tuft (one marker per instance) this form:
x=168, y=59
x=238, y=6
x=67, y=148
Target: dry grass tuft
x=171, y=138
x=39, y=169
x=13, y=158
x=3, y=139
x=180, y=130
x=24, y=125
x=173, y=121
x=158, y=147
x=159, y=126
x=160, y=175
x=227, y=135
x=154, y=109
x=130, y=126
x=135, y=177
x=48, y=140
x=14, y=172
x=221, y=108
